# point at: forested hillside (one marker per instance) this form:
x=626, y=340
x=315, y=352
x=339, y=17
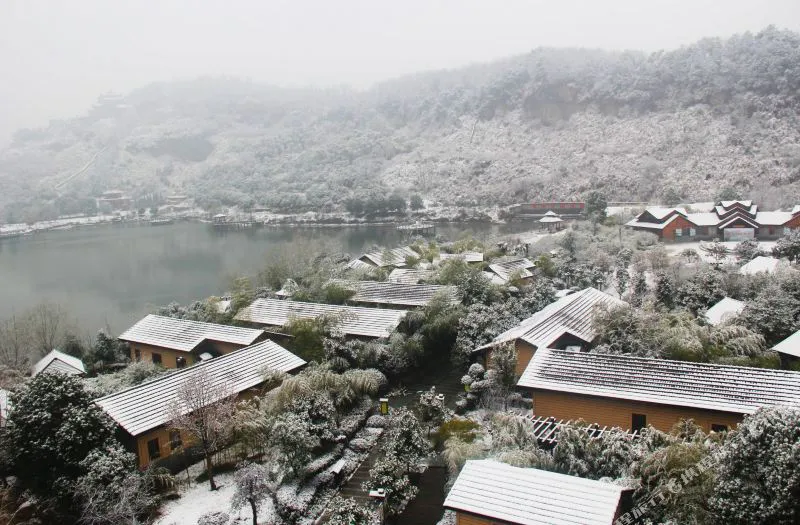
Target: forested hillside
x=550, y=124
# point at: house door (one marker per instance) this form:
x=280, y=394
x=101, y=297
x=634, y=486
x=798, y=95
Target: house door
x=738, y=234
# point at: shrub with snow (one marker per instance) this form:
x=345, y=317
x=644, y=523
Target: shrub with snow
x=214, y=518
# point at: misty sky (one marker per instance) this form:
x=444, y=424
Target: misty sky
x=58, y=55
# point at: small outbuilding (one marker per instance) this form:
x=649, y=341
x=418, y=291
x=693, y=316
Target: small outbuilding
x=724, y=310
x=761, y=264
x=551, y=222
x=59, y=362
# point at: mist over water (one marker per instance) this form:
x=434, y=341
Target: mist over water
x=112, y=275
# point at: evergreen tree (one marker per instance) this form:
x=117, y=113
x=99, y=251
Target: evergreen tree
x=665, y=290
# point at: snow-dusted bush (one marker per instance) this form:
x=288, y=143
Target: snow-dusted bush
x=359, y=445
x=214, y=518
x=376, y=421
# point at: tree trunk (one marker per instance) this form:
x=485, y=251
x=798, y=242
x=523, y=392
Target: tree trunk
x=210, y=471
x=255, y=511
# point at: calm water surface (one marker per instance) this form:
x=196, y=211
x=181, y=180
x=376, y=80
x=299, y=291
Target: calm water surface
x=112, y=275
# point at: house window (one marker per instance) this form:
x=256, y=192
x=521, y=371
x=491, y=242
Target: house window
x=153, y=450
x=712, y=230
x=180, y=362
x=137, y=355
x=638, y=422
x=678, y=232
x=156, y=358
x=175, y=439
x=786, y=230
x=719, y=428
x=692, y=232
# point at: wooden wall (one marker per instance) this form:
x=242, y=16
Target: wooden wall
x=463, y=518
x=617, y=412
x=168, y=355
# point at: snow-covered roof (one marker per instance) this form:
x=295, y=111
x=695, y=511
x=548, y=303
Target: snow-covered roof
x=773, y=218
x=795, y=209
x=409, y=275
x=570, y=314
x=504, y=269
x=59, y=362
x=355, y=320
x=528, y=496
x=703, y=218
x=660, y=212
x=761, y=264
x=790, y=345
x=470, y=257
x=551, y=218
x=724, y=310
x=389, y=293
x=148, y=405
x=652, y=225
x=393, y=257
x=728, y=204
x=738, y=217
x=185, y=335
x=724, y=388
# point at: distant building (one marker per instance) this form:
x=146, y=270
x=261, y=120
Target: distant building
x=789, y=350
x=728, y=221
x=353, y=321
x=565, y=323
x=389, y=294
x=115, y=200
x=58, y=362
x=144, y=411
x=176, y=343
x=488, y=492
x=724, y=310
x=468, y=257
x=551, y=222
x=634, y=392
x=409, y=275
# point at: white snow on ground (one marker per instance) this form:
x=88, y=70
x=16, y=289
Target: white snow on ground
x=199, y=500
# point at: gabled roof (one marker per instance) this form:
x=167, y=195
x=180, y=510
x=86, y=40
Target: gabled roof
x=760, y=264
x=737, y=217
x=724, y=310
x=394, y=257
x=60, y=362
x=355, y=320
x=653, y=225
x=389, y=293
x=737, y=389
x=184, y=335
x=571, y=314
x=504, y=269
x=470, y=257
x=728, y=204
x=148, y=405
x=528, y=496
x=409, y=275
x=790, y=345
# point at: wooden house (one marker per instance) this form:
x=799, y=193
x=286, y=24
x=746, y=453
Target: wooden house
x=176, y=343
x=393, y=295
x=58, y=362
x=143, y=412
x=409, y=275
x=633, y=392
x=488, y=492
x=501, y=272
x=565, y=323
x=353, y=321
x=789, y=350
x=727, y=221
x=723, y=311
x=394, y=258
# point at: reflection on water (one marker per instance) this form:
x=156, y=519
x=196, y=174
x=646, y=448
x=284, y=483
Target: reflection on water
x=111, y=275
